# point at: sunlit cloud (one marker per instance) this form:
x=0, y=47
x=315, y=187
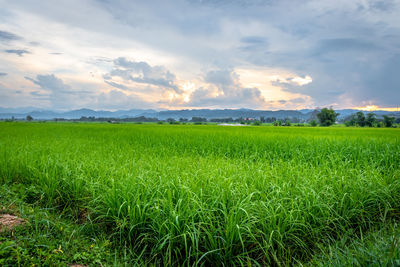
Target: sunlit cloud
x=301, y=80
x=375, y=107
x=264, y=79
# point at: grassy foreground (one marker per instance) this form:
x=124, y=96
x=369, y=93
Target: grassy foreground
x=193, y=195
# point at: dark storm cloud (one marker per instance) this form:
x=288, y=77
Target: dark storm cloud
x=38, y=94
x=254, y=40
x=3, y=74
x=356, y=70
x=62, y=95
x=8, y=36
x=50, y=83
x=345, y=45
x=142, y=72
x=59, y=94
x=382, y=84
x=253, y=43
x=380, y=5
x=221, y=77
x=19, y=52
x=230, y=3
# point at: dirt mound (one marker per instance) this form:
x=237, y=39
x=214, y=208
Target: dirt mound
x=9, y=222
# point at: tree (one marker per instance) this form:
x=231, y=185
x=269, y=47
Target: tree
x=171, y=120
x=327, y=117
x=29, y=118
x=370, y=120
x=198, y=119
x=350, y=120
x=313, y=123
x=360, y=119
x=348, y=123
x=388, y=121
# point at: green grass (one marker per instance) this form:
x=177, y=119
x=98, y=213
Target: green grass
x=379, y=247
x=47, y=239
x=201, y=194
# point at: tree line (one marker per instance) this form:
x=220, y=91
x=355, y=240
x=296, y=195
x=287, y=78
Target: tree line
x=370, y=120
x=323, y=117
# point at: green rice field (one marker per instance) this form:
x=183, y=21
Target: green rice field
x=207, y=194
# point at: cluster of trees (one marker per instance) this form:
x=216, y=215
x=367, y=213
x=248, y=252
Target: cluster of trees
x=359, y=119
x=28, y=118
x=328, y=117
x=262, y=119
x=184, y=120
x=325, y=117
x=289, y=123
x=267, y=120
x=135, y=119
x=282, y=123
x=198, y=119
x=273, y=119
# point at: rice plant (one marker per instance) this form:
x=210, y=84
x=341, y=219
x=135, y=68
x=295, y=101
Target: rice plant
x=203, y=194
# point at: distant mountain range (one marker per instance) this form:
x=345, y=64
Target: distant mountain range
x=40, y=114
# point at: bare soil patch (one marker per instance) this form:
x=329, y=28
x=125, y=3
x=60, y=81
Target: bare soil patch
x=9, y=222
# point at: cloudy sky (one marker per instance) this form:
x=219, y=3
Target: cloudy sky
x=121, y=54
